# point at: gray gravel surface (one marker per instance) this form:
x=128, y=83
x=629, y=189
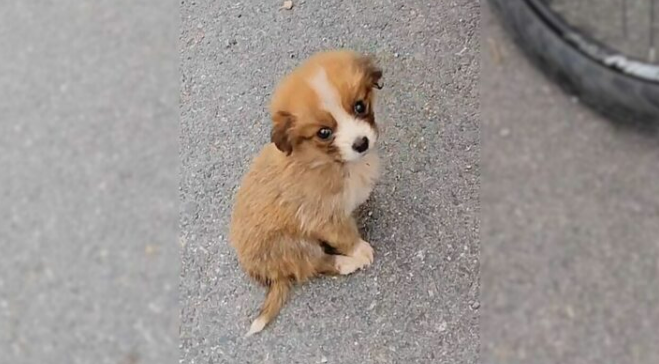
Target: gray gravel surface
x=570, y=209
x=88, y=183
x=418, y=302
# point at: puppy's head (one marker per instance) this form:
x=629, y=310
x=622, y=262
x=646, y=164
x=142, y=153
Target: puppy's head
x=324, y=109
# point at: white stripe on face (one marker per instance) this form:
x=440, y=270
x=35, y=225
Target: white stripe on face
x=349, y=128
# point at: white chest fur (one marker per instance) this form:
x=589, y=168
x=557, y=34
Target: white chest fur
x=360, y=177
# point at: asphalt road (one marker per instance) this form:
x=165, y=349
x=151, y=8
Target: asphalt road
x=419, y=302
x=570, y=220
x=88, y=182
x=89, y=137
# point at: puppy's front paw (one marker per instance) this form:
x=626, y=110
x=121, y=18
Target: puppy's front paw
x=346, y=265
x=364, y=253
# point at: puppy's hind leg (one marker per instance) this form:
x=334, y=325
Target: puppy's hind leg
x=337, y=264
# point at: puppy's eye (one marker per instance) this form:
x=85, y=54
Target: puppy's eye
x=359, y=108
x=324, y=133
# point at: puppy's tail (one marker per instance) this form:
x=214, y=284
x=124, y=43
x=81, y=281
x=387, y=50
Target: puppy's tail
x=277, y=295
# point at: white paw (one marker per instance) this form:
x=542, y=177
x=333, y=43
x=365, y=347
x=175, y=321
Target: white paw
x=346, y=265
x=364, y=253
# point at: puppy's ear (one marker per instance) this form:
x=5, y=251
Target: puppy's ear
x=373, y=73
x=281, y=131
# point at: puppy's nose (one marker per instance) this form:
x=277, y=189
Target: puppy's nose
x=360, y=145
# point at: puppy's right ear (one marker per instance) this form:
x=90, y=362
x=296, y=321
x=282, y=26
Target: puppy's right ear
x=281, y=131
x=372, y=71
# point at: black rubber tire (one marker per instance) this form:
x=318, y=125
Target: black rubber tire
x=618, y=96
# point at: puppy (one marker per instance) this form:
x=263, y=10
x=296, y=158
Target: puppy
x=292, y=218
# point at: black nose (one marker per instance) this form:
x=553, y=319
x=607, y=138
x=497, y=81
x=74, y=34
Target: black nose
x=360, y=145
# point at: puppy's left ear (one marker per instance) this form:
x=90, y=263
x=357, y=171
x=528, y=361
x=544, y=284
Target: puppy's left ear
x=371, y=70
x=281, y=131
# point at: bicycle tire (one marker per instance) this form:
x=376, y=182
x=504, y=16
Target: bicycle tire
x=608, y=89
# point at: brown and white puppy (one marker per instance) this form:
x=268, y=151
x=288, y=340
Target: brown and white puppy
x=300, y=193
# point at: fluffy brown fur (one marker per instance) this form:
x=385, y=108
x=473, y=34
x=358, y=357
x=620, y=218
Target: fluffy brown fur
x=301, y=190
